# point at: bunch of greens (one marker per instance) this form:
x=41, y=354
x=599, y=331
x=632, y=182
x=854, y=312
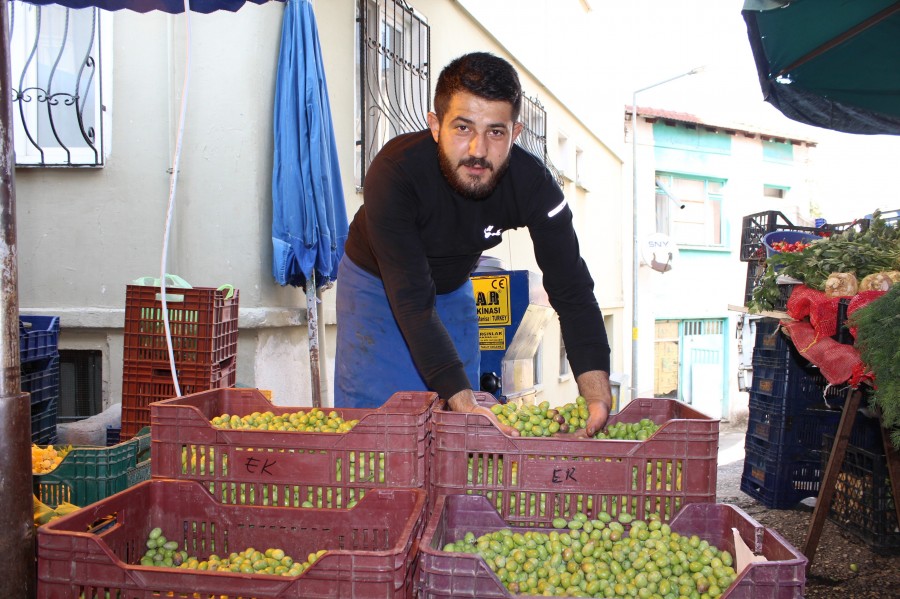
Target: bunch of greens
x=877, y=339
x=875, y=248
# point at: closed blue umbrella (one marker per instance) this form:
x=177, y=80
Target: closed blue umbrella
x=309, y=218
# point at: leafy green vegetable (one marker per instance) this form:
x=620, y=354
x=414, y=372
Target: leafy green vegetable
x=874, y=249
x=878, y=342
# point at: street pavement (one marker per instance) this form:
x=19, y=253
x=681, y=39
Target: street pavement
x=730, y=460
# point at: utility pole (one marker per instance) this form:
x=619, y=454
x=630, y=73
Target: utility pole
x=17, y=570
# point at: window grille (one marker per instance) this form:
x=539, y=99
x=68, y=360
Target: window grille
x=394, y=60
x=80, y=384
x=534, y=135
x=57, y=75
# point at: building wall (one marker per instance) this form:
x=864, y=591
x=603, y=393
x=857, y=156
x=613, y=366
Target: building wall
x=710, y=283
x=84, y=234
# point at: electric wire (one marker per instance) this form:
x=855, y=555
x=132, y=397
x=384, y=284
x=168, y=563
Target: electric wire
x=173, y=181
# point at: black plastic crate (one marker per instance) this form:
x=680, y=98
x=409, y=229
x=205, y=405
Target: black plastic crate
x=40, y=379
x=862, y=503
x=38, y=337
x=112, y=435
x=755, y=226
x=798, y=432
x=770, y=338
x=755, y=271
x=780, y=480
x=783, y=378
x=43, y=421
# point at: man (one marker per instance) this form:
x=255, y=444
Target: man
x=434, y=200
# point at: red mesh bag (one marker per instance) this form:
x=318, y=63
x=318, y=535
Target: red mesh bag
x=859, y=300
x=823, y=315
x=836, y=361
x=801, y=301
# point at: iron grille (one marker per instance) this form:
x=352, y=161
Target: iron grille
x=394, y=58
x=55, y=61
x=80, y=384
x=534, y=135
x=394, y=75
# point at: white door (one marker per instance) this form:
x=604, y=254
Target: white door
x=704, y=343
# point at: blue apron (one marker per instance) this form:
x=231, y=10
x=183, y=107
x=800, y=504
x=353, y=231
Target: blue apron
x=372, y=360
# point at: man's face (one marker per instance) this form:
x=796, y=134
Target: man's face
x=474, y=140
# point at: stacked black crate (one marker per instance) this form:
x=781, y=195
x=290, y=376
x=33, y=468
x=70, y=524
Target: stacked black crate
x=862, y=503
x=791, y=408
x=39, y=376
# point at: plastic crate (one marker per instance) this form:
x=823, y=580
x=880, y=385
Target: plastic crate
x=532, y=480
x=38, y=337
x=144, y=383
x=41, y=379
x=790, y=380
x=755, y=271
x=778, y=479
x=795, y=431
x=755, y=227
x=203, y=323
x=89, y=474
x=770, y=338
x=461, y=575
x=112, y=435
x=43, y=421
x=862, y=502
x=388, y=448
x=371, y=548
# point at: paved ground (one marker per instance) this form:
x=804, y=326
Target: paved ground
x=731, y=460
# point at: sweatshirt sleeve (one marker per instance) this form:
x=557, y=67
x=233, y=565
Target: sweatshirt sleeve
x=568, y=281
x=397, y=245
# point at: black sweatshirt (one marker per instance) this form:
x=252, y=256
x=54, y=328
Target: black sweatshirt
x=421, y=238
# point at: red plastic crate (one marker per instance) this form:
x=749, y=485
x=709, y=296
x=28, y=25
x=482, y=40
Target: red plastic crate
x=461, y=575
x=388, y=448
x=94, y=551
x=144, y=383
x=203, y=322
x=533, y=480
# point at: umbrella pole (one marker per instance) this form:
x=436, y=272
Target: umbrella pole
x=312, y=321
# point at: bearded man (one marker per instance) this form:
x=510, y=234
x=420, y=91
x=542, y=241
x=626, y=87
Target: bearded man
x=433, y=201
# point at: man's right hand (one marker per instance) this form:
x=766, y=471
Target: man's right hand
x=464, y=401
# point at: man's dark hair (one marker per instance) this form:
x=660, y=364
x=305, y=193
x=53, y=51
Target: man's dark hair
x=481, y=74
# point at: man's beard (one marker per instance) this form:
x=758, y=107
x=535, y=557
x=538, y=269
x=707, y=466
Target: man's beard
x=470, y=187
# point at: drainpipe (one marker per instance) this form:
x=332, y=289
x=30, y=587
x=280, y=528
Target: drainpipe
x=17, y=568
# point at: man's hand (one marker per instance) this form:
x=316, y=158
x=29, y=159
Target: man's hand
x=594, y=387
x=464, y=401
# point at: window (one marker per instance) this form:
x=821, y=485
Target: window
x=581, y=170
x=80, y=384
x=393, y=61
x=564, y=368
x=563, y=156
x=538, y=364
x=689, y=209
x=58, y=73
x=534, y=134
x=771, y=191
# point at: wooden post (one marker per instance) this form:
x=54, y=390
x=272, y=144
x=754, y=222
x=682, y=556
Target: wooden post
x=829, y=477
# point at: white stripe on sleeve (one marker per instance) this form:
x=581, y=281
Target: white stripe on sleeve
x=556, y=210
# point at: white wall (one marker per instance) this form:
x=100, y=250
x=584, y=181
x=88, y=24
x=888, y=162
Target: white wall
x=84, y=234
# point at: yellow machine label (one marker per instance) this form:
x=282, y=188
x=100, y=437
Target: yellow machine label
x=492, y=300
x=492, y=339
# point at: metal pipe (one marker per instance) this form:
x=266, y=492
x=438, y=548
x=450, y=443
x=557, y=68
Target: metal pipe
x=17, y=569
x=636, y=259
